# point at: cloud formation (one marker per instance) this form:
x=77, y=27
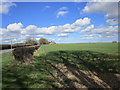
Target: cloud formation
x=109, y=9
x=16, y=29
x=62, y=11
x=47, y=7
x=83, y=26
x=100, y=33
x=87, y=29
x=5, y=7
x=63, y=8
x=62, y=35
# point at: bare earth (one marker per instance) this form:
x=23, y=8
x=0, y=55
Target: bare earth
x=70, y=77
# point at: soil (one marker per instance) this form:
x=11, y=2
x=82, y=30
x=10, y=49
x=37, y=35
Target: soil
x=71, y=77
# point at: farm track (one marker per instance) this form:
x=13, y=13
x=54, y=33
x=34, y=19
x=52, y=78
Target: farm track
x=70, y=77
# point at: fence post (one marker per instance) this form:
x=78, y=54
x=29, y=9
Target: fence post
x=11, y=44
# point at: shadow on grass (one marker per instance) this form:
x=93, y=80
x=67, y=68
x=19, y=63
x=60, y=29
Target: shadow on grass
x=93, y=61
x=84, y=65
x=101, y=66
x=27, y=76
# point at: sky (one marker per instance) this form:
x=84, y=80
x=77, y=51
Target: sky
x=61, y=22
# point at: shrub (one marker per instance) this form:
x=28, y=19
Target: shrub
x=31, y=41
x=114, y=41
x=24, y=53
x=5, y=46
x=43, y=41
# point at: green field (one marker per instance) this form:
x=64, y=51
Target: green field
x=109, y=48
x=104, y=53
x=95, y=57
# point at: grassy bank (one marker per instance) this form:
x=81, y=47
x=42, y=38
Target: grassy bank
x=34, y=75
x=7, y=58
x=75, y=57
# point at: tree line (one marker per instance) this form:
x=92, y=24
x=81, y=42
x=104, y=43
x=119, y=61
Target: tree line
x=41, y=41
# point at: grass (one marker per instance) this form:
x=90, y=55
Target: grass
x=6, y=58
x=86, y=60
x=27, y=76
x=94, y=57
x=111, y=48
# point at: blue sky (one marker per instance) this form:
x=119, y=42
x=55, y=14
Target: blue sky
x=62, y=22
x=37, y=14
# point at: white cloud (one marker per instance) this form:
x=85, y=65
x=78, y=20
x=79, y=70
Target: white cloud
x=68, y=31
x=62, y=35
x=14, y=26
x=3, y=31
x=47, y=7
x=16, y=30
x=40, y=35
x=109, y=9
x=88, y=35
x=32, y=29
x=100, y=33
x=82, y=22
x=69, y=28
x=45, y=30
x=112, y=29
x=63, y=8
x=61, y=13
x=87, y=29
x=112, y=21
x=87, y=38
x=5, y=6
x=6, y=41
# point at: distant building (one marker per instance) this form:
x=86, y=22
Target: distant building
x=51, y=43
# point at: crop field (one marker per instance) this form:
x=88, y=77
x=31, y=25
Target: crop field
x=88, y=65
x=108, y=48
